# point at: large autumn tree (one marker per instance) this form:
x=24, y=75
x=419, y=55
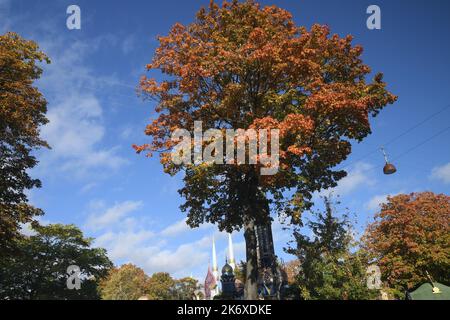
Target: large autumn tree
x=244, y=66
x=410, y=237
x=22, y=112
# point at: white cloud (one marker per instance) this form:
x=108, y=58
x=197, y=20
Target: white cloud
x=441, y=173
x=126, y=133
x=280, y=235
x=181, y=227
x=239, y=250
x=88, y=187
x=112, y=215
x=131, y=239
x=77, y=128
x=357, y=177
x=128, y=44
x=374, y=203
x=27, y=230
x=73, y=132
x=185, y=257
x=176, y=228
x=152, y=253
x=188, y=257
x=123, y=244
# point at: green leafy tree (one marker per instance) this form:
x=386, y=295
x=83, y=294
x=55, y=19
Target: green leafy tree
x=328, y=267
x=39, y=269
x=186, y=288
x=244, y=66
x=161, y=286
x=22, y=112
x=239, y=271
x=291, y=290
x=127, y=282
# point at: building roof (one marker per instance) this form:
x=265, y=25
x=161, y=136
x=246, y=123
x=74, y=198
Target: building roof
x=427, y=292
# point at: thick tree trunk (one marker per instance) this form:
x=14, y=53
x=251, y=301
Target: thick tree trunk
x=251, y=277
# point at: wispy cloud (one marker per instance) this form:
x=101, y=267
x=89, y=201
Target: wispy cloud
x=88, y=187
x=77, y=129
x=128, y=44
x=281, y=232
x=374, y=203
x=358, y=176
x=441, y=173
x=181, y=227
x=176, y=228
x=112, y=215
x=27, y=230
x=131, y=239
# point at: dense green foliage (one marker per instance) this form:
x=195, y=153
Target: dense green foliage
x=39, y=269
x=22, y=112
x=330, y=268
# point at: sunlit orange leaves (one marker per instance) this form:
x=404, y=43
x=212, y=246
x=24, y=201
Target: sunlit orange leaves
x=241, y=65
x=411, y=236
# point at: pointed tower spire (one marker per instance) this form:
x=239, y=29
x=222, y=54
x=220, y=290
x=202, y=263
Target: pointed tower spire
x=214, y=257
x=215, y=270
x=231, y=252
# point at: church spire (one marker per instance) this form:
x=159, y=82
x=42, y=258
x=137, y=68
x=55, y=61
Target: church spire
x=214, y=257
x=231, y=252
x=215, y=270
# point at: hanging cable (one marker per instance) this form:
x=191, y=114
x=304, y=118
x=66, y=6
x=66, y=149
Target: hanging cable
x=410, y=129
x=410, y=149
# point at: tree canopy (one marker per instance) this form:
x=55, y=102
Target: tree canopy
x=409, y=237
x=329, y=264
x=129, y=282
x=244, y=66
x=125, y=283
x=39, y=269
x=187, y=289
x=22, y=112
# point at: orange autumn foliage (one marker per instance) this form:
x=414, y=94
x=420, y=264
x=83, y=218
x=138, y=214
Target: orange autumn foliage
x=241, y=65
x=409, y=237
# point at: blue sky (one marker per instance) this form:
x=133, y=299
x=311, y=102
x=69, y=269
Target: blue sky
x=93, y=178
